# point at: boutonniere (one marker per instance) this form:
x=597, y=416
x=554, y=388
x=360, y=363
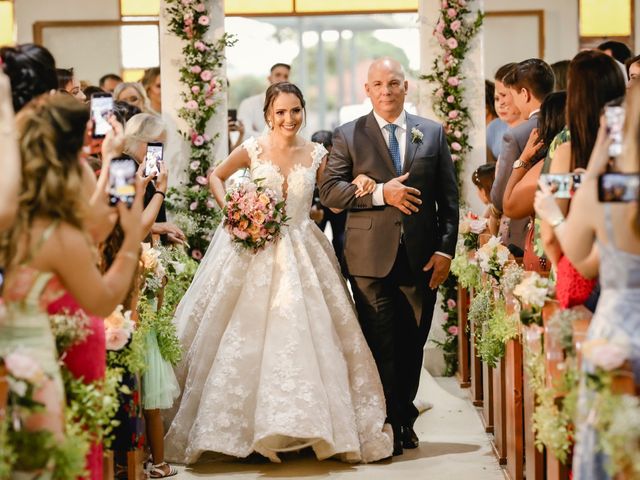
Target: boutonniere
x=416, y=135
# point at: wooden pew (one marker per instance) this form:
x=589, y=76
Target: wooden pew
x=463, y=373
x=487, y=403
x=476, y=367
x=514, y=410
x=534, y=459
x=499, y=413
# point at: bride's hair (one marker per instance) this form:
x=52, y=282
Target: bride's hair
x=276, y=89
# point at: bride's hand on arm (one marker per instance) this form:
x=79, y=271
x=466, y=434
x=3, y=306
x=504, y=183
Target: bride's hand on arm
x=320, y=175
x=364, y=185
x=237, y=160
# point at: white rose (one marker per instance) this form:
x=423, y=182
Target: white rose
x=464, y=227
x=478, y=226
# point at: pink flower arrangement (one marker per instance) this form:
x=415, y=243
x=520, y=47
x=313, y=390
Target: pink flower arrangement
x=191, y=105
x=203, y=20
x=194, y=165
x=457, y=134
x=198, y=141
x=200, y=8
x=195, y=89
x=210, y=203
x=201, y=180
x=453, y=114
x=452, y=13
x=200, y=46
x=455, y=157
x=22, y=366
x=193, y=206
x=196, y=254
x=453, y=81
x=452, y=43
x=456, y=25
x=206, y=75
x=451, y=304
x=456, y=147
x=253, y=216
x=196, y=69
x=451, y=99
x=453, y=330
x=118, y=328
x=209, y=102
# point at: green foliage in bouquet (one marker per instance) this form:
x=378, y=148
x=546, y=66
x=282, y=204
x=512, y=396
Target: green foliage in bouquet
x=498, y=329
x=467, y=272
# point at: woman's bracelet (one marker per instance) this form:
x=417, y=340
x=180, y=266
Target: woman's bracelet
x=130, y=255
x=160, y=193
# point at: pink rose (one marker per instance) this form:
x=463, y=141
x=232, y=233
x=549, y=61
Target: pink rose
x=195, y=89
x=198, y=141
x=196, y=69
x=116, y=338
x=455, y=25
x=203, y=20
x=194, y=165
x=206, y=75
x=457, y=134
x=210, y=203
x=188, y=21
x=455, y=146
x=206, y=137
x=202, y=181
x=452, y=13
x=191, y=105
x=200, y=7
x=451, y=99
x=453, y=114
x=208, y=102
x=441, y=39
x=462, y=3
x=193, y=206
x=200, y=46
x=23, y=366
x=453, y=330
x=453, y=81
x=197, y=254
x=445, y=4
x=452, y=43
x=451, y=304
x=440, y=27
x=440, y=93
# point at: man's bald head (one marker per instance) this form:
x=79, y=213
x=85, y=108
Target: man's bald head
x=388, y=64
x=386, y=87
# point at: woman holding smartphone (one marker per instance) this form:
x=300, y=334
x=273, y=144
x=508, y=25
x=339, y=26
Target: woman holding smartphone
x=615, y=228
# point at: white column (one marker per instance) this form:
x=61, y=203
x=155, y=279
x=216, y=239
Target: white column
x=473, y=69
x=177, y=149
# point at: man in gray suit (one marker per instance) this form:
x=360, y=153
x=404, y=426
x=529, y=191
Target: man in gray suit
x=529, y=81
x=399, y=239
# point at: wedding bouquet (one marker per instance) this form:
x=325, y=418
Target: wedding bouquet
x=154, y=272
x=492, y=256
x=470, y=228
x=253, y=216
x=118, y=329
x=532, y=293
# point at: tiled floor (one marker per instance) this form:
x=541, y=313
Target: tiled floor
x=453, y=447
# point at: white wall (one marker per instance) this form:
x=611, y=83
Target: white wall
x=91, y=51
x=507, y=38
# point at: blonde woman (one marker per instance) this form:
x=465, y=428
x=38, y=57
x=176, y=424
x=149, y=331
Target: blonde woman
x=132, y=93
x=48, y=252
x=152, y=85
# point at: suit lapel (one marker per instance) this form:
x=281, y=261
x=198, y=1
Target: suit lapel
x=373, y=132
x=411, y=147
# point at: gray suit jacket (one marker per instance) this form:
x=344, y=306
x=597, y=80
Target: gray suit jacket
x=373, y=233
x=513, y=143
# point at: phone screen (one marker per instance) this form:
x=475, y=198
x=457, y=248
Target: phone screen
x=233, y=114
x=618, y=187
x=153, y=159
x=614, y=116
x=563, y=185
x=101, y=108
x=122, y=179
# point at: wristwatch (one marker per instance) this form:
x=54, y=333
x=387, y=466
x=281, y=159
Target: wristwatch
x=519, y=164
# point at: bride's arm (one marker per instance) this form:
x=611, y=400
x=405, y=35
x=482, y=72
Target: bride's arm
x=238, y=159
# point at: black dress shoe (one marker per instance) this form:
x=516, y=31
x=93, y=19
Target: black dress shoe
x=397, y=447
x=409, y=438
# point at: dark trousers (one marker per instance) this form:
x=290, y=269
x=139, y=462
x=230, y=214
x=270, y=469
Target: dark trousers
x=395, y=315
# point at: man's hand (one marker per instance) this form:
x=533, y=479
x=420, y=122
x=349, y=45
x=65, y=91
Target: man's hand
x=400, y=196
x=440, y=265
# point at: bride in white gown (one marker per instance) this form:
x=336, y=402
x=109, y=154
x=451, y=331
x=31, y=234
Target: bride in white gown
x=274, y=356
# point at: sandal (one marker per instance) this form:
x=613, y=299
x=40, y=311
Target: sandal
x=158, y=470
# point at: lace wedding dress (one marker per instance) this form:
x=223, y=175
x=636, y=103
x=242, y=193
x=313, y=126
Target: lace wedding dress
x=275, y=359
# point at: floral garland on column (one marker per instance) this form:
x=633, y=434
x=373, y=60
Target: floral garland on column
x=195, y=209
x=454, y=32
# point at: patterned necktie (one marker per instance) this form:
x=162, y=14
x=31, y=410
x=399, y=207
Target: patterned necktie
x=394, y=147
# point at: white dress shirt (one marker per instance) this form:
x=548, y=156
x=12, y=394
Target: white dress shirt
x=251, y=115
x=401, y=135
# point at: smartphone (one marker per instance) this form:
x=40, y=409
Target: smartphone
x=614, y=116
x=122, y=180
x=101, y=108
x=233, y=114
x=618, y=187
x=563, y=185
x=152, y=159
